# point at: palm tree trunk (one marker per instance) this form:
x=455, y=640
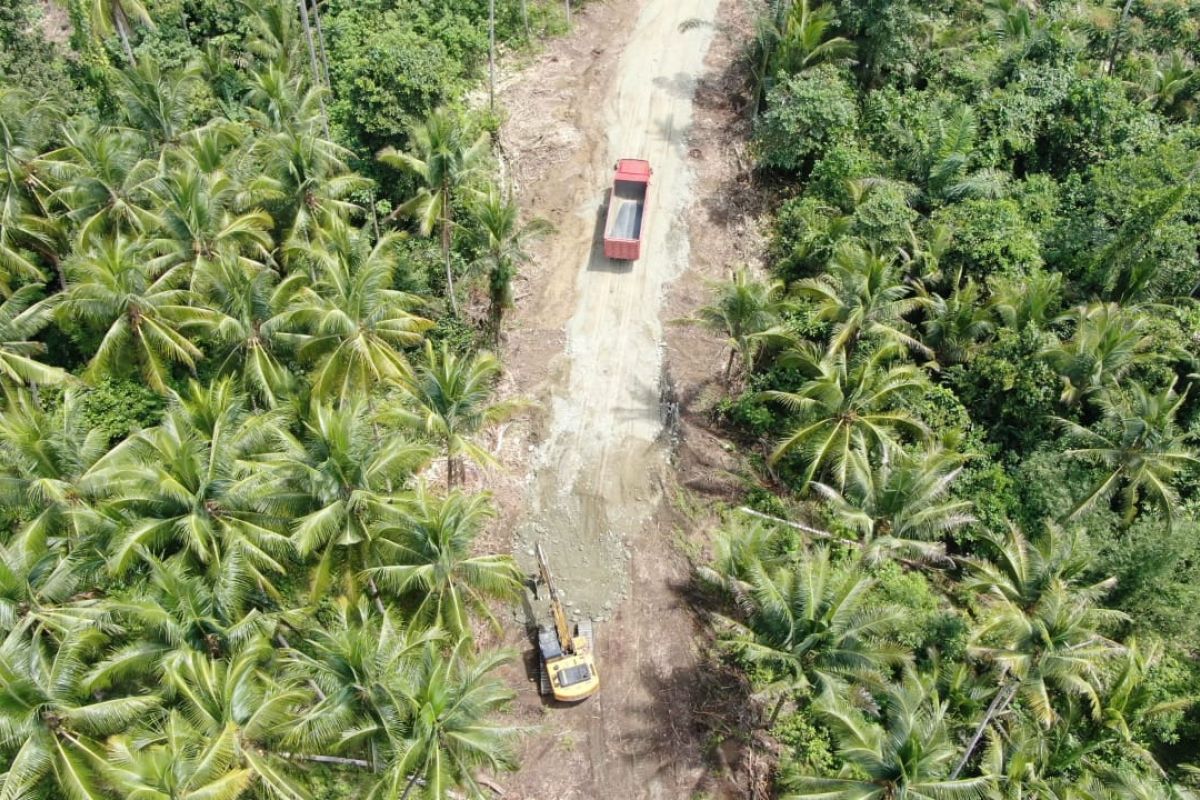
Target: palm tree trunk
x=525, y=17
x=1117, y=33
x=998, y=704
x=446, y=247
x=568, y=5
x=122, y=25
x=777, y=709
x=321, y=44
x=492, y=56
x=729, y=368
x=312, y=59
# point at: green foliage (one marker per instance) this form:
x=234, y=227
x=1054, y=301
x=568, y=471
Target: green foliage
x=805, y=114
x=120, y=407
x=989, y=237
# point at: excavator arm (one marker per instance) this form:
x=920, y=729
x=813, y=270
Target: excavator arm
x=556, y=608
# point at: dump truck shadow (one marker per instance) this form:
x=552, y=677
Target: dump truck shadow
x=597, y=261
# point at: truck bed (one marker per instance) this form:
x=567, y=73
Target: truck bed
x=625, y=210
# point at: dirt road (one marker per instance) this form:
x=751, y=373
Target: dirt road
x=588, y=344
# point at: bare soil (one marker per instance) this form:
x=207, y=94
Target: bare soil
x=619, y=444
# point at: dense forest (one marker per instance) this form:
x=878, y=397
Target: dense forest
x=967, y=383
x=252, y=258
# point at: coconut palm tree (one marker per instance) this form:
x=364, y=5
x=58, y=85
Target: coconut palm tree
x=44, y=455
x=955, y=324
x=25, y=224
x=306, y=182
x=906, y=755
x=430, y=563
x=446, y=398
x=200, y=224
x=804, y=40
x=1028, y=301
x=1041, y=626
x=1140, y=447
x=502, y=241
x=158, y=103
x=846, y=405
x=192, y=483
x=239, y=712
x=900, y=506
x=102, y=179
x=173, y=760
x=446, y=160
x=251, y=337
x=176, y=613
x=144, y=315
x=446, y=736
x=364, y=667
x=862, y=294
x=339, y=483
x=812, y=624
x=747, y=312
x=354, y=323
x=48, y=719
x=1107, y=343
x=22, y=316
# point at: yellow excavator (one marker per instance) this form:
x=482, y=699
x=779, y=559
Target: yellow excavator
x=567, y=667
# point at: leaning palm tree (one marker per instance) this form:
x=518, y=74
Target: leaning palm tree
x=813, y=624
x=362, y=666
x=447, y=399
x=863, y=295
x=904, y=757
x=354, y=323
x=445, y=159
x=748, y=313
x=502, y=241
x=429, y=561
x=144, y=316
x=1140, y=447
x=49, y=720
x=239, y=712
x=1107, y=343
x=339, y=482
x=846, y=405
x=900, y=506
x=446, y=737
x=1041, y=626
x=174, y=760
x=22, y=316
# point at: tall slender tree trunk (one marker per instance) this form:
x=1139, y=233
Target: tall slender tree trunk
x=1000, y=702
x=1117, y=34
x=492, y=56
x=568, y=6
x=122, y=24
x=729, y=368
x=312, y=59
x=446, y=200
x=321, y=44
x=525, y=18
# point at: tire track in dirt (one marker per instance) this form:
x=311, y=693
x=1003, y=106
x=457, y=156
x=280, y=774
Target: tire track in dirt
x=588, y=343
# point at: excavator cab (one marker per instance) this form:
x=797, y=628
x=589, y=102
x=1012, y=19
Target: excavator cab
x=567, y=663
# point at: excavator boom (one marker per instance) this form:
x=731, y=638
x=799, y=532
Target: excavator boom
x=556, y=606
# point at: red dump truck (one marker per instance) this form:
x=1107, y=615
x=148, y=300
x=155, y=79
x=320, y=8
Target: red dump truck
x=625, y=227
